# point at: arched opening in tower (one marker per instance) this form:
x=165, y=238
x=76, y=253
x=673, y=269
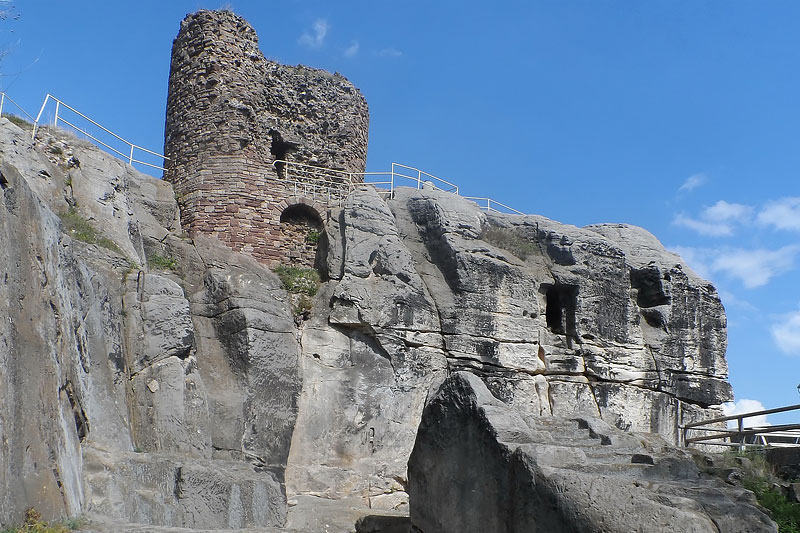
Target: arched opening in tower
x=301, y=229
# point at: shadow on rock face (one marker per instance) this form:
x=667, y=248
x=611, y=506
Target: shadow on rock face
x=383, y=524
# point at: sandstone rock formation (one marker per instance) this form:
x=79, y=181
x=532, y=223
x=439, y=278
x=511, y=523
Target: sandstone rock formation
x=120, y=396
x=557, y=320
x=480, y=465
x=154, y=378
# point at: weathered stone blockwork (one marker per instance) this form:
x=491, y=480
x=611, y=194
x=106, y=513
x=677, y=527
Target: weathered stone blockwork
x=230, y=114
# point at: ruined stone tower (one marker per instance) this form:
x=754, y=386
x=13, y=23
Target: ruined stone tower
x=231, y=113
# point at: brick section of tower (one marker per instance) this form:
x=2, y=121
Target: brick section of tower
x=230, y=114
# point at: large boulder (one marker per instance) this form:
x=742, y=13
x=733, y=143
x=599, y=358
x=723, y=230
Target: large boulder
x=481, y=465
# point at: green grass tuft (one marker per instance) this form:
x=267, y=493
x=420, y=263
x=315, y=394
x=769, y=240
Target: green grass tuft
x=303, y=305
x=508, y=239
x=163, y=262
x=34, y=524
x=298, y=280
x=784, y=512
x=81, y=229
x=758, y=475
x=19, y=121
x=312, y=237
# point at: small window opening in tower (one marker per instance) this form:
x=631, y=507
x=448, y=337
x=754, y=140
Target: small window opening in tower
x=301, y=229
x=280, y=150
x=560, y=310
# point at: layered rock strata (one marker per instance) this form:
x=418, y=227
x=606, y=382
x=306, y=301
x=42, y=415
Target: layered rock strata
x=155, y=378
x=556, y=320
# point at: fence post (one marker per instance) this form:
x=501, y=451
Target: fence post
x=36, y=122
x=2, y=101
x=130, y=159
x=55, y=120
x=741, y=429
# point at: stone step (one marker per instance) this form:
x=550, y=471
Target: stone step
x=172, y=491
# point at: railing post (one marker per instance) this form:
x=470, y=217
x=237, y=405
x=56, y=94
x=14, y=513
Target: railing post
x=55, y=120
x=130, y=159
x=740, y=420
x=2, y=101
x=419, y=179
x=36, y=122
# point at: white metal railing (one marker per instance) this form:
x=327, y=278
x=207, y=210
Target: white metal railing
x=321, y=182
x=309, y=180
x=493, y=206
x=4, y=97
x=422, y=179
x=131, y=154
x=785, y=435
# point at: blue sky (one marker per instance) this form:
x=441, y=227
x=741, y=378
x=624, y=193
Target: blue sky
x=678, y=116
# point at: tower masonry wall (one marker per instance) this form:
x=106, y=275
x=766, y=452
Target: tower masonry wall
x=230, y=114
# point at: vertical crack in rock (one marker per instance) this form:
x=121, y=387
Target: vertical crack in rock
x=81, y=423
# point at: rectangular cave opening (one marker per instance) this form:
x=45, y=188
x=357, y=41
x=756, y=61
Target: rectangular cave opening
x=562, y=300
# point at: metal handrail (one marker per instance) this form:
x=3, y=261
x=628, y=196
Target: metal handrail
x=4, y=97
x=740, y=432
x=503, y=208
x=331, y=178
x=429, y=180
x=345, y=180
x=133, y=147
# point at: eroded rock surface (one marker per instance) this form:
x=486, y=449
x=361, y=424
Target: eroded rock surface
x=167, y=381
x=556, y=320
x=564, y=319
x=163, y=396
x=480, y=465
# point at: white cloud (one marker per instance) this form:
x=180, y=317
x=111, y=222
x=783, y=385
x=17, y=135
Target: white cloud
x=315, y=40
x=709, y=229
x=753, y=267
x=351, y=50
x=717, y=220
x=782, y=214
x=693, y=182
x=745, y=406
x=724, y=211
x=389, y=52
x=787, y=334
